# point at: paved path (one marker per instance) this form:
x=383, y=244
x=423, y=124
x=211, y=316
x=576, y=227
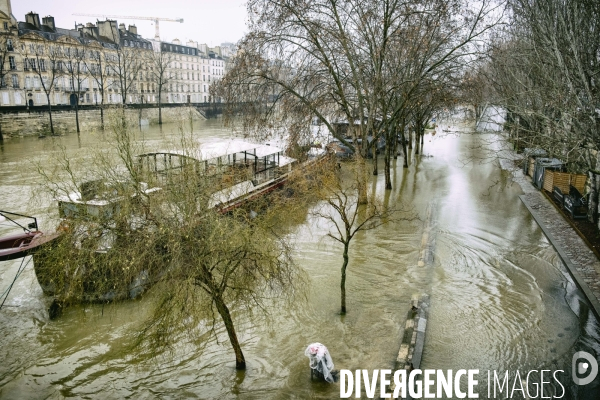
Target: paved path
x=580, y=260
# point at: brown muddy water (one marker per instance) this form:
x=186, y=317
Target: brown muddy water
x=500, y=298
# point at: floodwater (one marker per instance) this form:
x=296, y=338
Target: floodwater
x=500, y=298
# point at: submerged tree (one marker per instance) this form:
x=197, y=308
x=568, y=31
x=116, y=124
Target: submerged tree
x=205, y=265
x=360, y=64
x=341, y=207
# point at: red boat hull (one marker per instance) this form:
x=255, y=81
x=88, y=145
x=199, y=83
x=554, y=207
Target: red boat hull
x=22, y=244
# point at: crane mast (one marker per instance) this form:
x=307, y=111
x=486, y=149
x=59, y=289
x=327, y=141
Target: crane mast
x=154, y=19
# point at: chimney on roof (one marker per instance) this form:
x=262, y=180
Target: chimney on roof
x=122, y=27
x=49, y=22
x=108, y=29
x=90, y=30
x=176, y=41
x=133, y=29
x=33, y=19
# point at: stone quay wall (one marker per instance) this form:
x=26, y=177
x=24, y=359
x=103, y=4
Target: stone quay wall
x=37, y=122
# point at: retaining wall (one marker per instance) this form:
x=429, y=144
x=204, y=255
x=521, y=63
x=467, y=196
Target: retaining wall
x=36, y=123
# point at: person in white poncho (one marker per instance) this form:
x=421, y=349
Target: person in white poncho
x=320, y=360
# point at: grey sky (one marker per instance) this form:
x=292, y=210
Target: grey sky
x=206, y=21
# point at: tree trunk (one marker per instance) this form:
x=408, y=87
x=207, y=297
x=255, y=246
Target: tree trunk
x=417, y=141
x=374, y=150
x=361, y=179
x=395, y=145
x=422, y=141
x=159, y=108
x=388, y=178
x=410, y=137
x=102, y=115
x=77, y=113
x=240, y=361
x=418, y=131
x=50, y=114
x=343, y=283
x=1, y=135
x=404, y=150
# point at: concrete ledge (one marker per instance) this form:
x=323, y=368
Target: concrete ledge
x=579, y=281
x=413, y=341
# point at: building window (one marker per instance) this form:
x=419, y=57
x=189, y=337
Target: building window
x=9, y=44
x=15, y=81
x=5, y=25
x=12, y=63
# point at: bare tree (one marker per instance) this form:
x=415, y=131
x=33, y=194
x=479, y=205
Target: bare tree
x=98, y=70
x=161, y=75
x=543, y=69
x=76, y=71
x=342, y=208
x=358, y=62
x=125, y=64
x=44, y=58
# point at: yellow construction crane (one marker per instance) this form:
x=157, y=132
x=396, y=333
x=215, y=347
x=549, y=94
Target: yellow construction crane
x=155, y=19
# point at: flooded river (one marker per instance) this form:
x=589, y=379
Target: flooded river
x=500, y=297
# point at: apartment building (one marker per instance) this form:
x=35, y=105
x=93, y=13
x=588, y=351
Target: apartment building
x=89, y=64
x=99, y=63
x=194, y=68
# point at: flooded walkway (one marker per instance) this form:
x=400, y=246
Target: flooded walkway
x=500, y=297
x=581, y=261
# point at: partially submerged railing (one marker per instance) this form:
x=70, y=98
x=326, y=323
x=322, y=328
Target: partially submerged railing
x=32, y=225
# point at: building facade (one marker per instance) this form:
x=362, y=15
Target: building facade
x=101, y=63
x=90, y=64
x=194, y=68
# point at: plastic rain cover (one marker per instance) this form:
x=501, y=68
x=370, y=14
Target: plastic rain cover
x=320, y=360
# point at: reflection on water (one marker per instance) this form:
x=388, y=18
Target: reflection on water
x=500, y=298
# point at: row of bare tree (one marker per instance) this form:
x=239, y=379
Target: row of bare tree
x=70, y=66
x=378, y=66
x=543, y=69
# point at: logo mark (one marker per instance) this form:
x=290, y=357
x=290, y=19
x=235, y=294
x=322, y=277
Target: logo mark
x=580, y=368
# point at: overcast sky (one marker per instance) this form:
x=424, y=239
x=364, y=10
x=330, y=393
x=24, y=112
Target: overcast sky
x=206, y=21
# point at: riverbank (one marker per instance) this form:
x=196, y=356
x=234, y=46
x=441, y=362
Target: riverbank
x=579, y=259
x=37, y=122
